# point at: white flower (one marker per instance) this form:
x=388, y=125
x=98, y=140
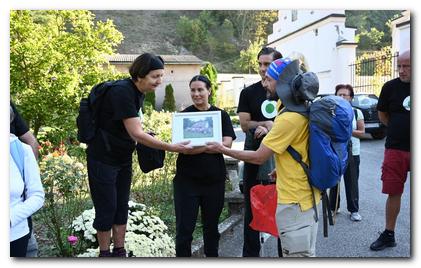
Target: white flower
x=145, y=236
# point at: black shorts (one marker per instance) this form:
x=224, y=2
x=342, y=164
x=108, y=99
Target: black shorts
x=110, y=191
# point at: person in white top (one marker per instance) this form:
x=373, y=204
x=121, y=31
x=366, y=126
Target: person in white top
x=22, y=205
x=353, y=170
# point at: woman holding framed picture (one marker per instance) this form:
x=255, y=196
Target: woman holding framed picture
x=200, y=178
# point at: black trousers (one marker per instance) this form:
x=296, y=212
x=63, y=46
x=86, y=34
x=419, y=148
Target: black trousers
x=19, y=246
x=351, y=187
x=189, y=196
x=110, y=191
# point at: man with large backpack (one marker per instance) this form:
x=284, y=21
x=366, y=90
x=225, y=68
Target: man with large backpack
x=294, y=215
x=296, y=180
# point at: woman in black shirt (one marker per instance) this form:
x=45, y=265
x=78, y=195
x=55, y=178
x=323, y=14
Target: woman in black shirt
x=200, y=180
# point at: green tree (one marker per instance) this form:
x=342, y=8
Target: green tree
x=193, y=33
x=210, y=72
x=169, y=101
x=248, y=58
x=370, y=40
x=55, y=58
x=366, y=20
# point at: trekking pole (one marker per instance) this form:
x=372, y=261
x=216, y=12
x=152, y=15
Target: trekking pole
x=336, y=201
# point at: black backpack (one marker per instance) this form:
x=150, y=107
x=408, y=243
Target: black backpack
x=87, y=120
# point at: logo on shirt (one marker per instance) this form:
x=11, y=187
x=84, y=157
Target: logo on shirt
x=407, y=103
x=269, y=109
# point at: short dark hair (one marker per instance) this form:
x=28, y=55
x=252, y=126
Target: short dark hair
x=203, y=79
x=346, y=86
x=269, y=50
x=145, y=63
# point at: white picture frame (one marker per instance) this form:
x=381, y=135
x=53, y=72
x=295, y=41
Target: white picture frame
x=197, y=127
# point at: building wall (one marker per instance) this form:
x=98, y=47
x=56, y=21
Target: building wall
x=230, y=86
x=179, y=76
x=401, y=36
x=286, y=25
x=318, y=44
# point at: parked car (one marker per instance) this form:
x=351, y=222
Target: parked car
x=367, y=103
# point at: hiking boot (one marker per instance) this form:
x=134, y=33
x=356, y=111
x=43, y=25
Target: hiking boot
x=119, y=252
x=385, y=240
x=105, y=253
x=355, y=216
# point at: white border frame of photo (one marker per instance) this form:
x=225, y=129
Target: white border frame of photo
x=178, y=127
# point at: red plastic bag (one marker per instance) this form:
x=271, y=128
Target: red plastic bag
x=263, y=201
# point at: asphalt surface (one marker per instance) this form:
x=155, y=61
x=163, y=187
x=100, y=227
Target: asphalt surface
x=347, y=238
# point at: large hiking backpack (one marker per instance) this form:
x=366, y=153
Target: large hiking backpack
x=87, y=120
x=330, y=127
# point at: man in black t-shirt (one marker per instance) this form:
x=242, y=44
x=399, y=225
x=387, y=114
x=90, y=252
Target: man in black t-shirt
x=110, y=153
x=256, y=115
x=394, y=111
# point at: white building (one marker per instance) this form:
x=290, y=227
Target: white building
x=321, y=37
x=401, y=33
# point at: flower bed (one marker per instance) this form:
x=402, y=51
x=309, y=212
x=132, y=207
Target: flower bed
x=146, y=234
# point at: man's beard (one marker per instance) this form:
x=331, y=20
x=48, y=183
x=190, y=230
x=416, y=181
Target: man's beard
x=271, y=97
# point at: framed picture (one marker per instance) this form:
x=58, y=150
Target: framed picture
x=198, y=127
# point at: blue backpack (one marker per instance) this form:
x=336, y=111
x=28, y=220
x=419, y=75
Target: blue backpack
x=330, y=127
x=18, y=156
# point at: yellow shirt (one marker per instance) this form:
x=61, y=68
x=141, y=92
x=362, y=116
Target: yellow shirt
x=291, y=184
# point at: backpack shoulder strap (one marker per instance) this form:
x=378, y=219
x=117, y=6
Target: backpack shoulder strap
x=355, y=113
x=297, y=157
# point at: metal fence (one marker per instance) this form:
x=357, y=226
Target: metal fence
x=369, y=75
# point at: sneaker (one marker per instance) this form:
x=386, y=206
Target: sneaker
x=383, y=242
x=355, y=216
x=119, y=252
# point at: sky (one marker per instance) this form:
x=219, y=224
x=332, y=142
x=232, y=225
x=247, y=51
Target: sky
x=7, y=5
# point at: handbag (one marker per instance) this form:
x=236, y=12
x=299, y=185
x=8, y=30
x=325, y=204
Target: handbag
x=263, y=201
x=149, y=158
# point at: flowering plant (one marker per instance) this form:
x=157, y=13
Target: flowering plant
x=65, y=186
x=146, y=234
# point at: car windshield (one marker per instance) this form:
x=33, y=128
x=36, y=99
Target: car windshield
x=364, y=101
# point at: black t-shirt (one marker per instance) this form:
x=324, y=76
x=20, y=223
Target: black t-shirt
x=251, y=99
x=205, y=168
x=113, y=144
x=395, y=100
x=18, y=126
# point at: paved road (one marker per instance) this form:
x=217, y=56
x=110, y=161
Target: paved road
x=347, y=238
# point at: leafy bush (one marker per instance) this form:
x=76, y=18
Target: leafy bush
x=66, y=192
x=146, y=234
